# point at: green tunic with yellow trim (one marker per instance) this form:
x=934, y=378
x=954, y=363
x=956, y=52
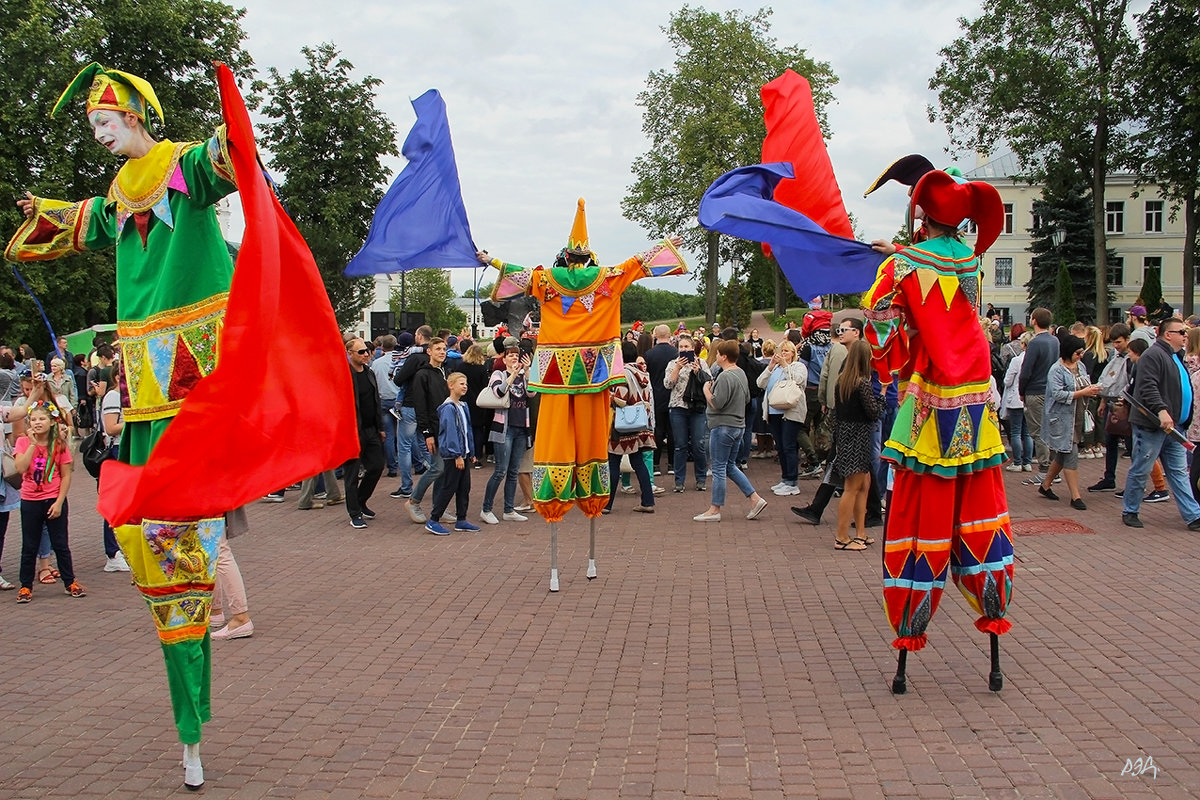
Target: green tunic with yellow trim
x=173, y=272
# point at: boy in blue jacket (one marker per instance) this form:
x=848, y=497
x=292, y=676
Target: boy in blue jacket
x=456, y=445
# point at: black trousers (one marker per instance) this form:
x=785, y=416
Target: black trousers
x=33, y=517
x=455, y=483
x=371, y=461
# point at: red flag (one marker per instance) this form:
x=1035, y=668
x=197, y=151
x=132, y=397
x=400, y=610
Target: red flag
x=261, y=420
x=794, y=136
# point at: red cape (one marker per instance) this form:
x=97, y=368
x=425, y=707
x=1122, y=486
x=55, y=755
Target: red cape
x=279, y=406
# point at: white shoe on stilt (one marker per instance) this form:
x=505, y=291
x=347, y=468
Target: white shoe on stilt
x=193, y=770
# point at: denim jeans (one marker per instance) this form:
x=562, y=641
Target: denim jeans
x=689, y=430
x=723, y=444
x=1019, y=437
x=785, y=431
x=390, y=437
x=641, y=468
x=409, y=446
x=1149, y=445
x=428, y=478
x=508, y=455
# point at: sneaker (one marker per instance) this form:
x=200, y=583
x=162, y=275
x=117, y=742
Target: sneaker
x=1013, y=468
x=814, y=472
x=25, y=595
x=117, y=563
x=628, y=490
x=1027, y=468
x=1078, y=504
x=419, y=469
x=1119, y=494
x=743, y=465
x=448, y=518
x=786, y=490
x=1132, y=520
x=513, y=516
x=1194, y=525
x=293, y=487
x=657, y=472
x=415, y=513
x=523, y=508
x=807, y=515
x=644, y=509
x=273, y=498
x=1102, y=486
x=367, y=513
x=1041, y=478
x=5, y=585
x=488, y=517
x=313, y=507
x=701, y=487
x=75, y=589
x=437, y=528
x=1157, y=496
x=778, y=486
x=392, y=473
x=400, y=494
x=705, y=517
x=357, y=522
x=321, y=496
x=463, y=525
x=678, y=488
x=1047, y=493
x=656, y=490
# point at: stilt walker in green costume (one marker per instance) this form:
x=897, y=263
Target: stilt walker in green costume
x=173, y=277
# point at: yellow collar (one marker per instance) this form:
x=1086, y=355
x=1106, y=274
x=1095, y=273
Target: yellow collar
x=141, y=182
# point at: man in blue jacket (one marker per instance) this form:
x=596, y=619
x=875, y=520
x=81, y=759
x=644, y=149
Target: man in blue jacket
x=1162, y=393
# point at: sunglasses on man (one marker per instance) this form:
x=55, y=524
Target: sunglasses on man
x=364, y=351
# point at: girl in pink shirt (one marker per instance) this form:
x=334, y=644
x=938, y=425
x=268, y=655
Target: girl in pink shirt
x=44, y=459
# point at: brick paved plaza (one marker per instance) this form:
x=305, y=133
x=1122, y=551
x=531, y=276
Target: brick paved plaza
x=732, y=660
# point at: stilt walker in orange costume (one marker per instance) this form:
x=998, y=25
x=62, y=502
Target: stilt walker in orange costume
x=577, y=360
x=948, y=512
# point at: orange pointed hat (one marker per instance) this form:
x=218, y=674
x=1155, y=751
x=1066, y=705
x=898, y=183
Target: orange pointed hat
x=113, y=90
x=577, y=242
x=948, y=201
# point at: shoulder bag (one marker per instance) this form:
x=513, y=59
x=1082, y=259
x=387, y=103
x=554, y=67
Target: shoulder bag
x=785, y=394
x=488, y=399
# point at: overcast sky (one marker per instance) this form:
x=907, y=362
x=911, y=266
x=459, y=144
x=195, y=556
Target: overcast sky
x=541, y=98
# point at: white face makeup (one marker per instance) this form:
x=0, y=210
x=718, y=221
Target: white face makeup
x=112, y=131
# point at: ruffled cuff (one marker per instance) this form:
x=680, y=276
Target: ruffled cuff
x=56, y=229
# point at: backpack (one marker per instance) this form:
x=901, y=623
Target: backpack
x=815, y=361
x=998, y=367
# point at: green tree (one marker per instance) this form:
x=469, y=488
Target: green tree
x=1064, y=297
x=1152, y=293
x=328, y=141
x=1065, y=206
x=704, y=117
x=485, y=291
x=1052, y=79
x=735, y=304
x=1167, y=147
x=429, y=291
x=43, y=44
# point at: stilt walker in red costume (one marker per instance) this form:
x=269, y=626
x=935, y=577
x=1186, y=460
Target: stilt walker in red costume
x=577, y=360
x=948, y=512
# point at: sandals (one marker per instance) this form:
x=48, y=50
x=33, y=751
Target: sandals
x=47, y=575
x=863, y=539
x=854, y=544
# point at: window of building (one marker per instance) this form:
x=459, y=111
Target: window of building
x=1008, y=217
x=1037, y=222
x=1003, y=273
x=1114, y=217
x=1116, y=271
x=972, y=228
x=1154, y=216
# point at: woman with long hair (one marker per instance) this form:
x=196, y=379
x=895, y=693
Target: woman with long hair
x=477, y=373
x=785, y=423
x=857, y=409
x=1095, y=356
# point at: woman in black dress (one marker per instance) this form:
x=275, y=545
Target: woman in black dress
x=857, y=410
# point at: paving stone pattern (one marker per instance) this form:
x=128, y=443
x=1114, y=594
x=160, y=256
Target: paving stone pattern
x=731, y=660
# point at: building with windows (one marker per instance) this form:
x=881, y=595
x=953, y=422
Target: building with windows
x=1139, y=227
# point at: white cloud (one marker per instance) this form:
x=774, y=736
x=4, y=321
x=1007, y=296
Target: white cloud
x=542, y=97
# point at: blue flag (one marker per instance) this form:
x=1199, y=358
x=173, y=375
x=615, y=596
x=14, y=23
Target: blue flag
x=739, y=203
x=421, y=221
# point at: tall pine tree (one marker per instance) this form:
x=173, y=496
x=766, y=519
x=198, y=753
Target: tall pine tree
x=1065, y=205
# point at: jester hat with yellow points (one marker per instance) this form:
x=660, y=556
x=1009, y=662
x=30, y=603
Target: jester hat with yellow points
x=111, y=90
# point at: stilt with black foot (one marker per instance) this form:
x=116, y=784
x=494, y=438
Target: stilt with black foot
x=996, y=678
x=193, y=770
x=900, y=682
